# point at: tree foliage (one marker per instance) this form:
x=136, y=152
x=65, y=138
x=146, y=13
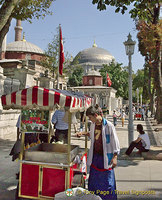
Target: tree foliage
x=118, y=76
x=51, y=60
x=147, y=14
x=141, y=9
x=141, y=81
x=21, y=9
x=75, y=79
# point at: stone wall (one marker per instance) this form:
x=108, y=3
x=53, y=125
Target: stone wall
x=8, y=120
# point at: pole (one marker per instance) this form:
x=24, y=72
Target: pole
x=137, y=99
x=141, y=100
x=130, y=124
x=58, y=60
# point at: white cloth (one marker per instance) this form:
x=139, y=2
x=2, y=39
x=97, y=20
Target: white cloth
x=145, y=140
x=109, y=140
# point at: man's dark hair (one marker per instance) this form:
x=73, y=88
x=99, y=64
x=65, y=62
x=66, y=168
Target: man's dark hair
x=140, y=127
x=92, y=111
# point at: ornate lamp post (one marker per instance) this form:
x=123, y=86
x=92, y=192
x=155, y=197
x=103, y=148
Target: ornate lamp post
x=129, y=47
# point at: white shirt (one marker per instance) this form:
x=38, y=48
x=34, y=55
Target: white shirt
x=145, y=140
x=110, y=143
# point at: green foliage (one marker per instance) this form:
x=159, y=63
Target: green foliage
x=118, y=76
x=28, y=9
x=51, y=60
x=76, y=77
x=141, y=81
x=141, y=9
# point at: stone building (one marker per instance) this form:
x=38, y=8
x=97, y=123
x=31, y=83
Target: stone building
x=92, y=86
x=20, y=67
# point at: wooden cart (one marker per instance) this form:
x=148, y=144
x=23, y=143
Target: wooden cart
x=47, y=169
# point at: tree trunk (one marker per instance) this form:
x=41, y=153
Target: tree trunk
x=151, y=94
x=158, y=80
x=157, y=67
x=5, y=30
x=6, y=13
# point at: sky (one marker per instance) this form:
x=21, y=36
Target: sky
x=82, y=24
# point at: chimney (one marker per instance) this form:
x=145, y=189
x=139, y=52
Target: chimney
x=18, y=30
x=3, y=48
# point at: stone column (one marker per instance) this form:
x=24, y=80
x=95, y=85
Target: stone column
x=18, y=30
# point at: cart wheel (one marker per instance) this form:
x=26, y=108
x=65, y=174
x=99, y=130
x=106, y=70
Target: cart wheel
x=78, y=181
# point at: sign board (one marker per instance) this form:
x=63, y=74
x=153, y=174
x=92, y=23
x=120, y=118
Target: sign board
x=34, y=121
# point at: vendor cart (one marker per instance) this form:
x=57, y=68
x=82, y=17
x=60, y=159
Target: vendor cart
x=47, y=169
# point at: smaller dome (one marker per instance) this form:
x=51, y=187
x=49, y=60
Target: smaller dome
x=23, y=46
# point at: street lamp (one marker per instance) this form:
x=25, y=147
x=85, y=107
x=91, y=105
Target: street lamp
x=129, y=47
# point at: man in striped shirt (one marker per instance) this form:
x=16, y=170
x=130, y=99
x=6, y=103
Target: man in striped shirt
x=61, y=127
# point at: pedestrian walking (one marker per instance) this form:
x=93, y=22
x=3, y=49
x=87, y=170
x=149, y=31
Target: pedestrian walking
x=143, y=113
x=104, y=110
x=122, y=115
x=114, y=118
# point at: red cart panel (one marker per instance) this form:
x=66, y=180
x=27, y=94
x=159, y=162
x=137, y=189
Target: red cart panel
x=29, y=180
x=53, y=181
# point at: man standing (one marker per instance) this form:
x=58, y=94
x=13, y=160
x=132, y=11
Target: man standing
x=61, y=127
x=102, y=156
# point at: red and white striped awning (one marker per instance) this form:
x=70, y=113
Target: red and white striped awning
x=45, y=99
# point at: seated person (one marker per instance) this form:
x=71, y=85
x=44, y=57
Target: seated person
x=142, y=142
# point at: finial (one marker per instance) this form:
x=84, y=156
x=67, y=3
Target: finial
x=94, y=44
x=23, y=37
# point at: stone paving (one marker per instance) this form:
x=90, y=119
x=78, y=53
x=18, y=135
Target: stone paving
x=136, y=177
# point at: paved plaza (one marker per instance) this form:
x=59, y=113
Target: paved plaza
x=136, y=177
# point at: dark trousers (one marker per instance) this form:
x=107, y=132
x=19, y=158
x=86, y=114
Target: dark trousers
x=137, y=145
x=62, y=135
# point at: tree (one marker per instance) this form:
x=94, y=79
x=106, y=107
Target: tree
x=140, y=81
x=118, y=76
x=51, y=60
x=147, y=11
x=21, y=9
x=76, y=77
x=149, y=41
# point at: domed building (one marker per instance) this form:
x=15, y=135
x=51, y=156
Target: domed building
x=21, y=60
x=92, y=57
x=21, y=67
x=92, y=60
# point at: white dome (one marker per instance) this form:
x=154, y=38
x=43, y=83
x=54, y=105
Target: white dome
x=94, y=55
x=23, y=46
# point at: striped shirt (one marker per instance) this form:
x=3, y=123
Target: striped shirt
x=57, y=119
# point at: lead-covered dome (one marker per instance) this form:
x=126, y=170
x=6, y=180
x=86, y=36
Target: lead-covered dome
x=94, y=55
x=24, y=46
